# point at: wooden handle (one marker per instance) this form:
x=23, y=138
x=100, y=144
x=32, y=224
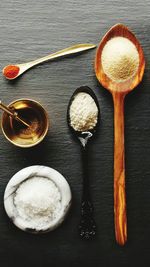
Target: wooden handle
x=119, y=170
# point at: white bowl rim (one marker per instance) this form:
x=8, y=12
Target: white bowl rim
x=27, y=173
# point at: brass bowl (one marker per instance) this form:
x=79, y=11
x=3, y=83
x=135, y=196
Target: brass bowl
x=34, y=114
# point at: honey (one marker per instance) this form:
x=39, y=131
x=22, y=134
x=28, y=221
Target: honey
x=32, y=113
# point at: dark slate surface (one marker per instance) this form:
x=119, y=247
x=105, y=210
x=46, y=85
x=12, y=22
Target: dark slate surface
x=29, y=29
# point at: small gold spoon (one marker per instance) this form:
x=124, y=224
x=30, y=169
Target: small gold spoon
x=13, y=71
x=119, y=90
x=13, y=114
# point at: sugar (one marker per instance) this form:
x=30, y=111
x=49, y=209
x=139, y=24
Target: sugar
x=38, y=201
x=120, y=59
x=83, y=112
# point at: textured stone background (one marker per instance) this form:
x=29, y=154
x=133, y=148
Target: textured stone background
x=29, y=29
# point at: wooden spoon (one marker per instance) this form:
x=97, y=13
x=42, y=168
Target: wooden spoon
x=119, y=90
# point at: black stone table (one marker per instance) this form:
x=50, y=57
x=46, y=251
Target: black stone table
x=29, y=29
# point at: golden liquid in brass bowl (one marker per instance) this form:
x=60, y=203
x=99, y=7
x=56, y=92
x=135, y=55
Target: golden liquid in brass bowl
x=31, y=112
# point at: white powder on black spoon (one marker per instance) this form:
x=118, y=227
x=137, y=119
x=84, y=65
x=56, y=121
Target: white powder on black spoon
x=83, y=112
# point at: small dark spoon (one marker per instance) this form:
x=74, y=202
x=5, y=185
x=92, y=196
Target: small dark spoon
x=87, y=226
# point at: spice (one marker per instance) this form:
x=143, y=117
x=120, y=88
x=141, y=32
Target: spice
x=38, y=201
x=83, y=112
x=120, y=59
x=11, y=71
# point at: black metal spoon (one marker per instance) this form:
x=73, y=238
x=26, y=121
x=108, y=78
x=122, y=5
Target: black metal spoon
x=87, y=226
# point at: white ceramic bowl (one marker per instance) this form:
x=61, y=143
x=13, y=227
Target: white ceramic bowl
x=27, y=173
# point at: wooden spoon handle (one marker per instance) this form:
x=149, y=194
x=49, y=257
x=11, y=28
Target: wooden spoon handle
x=119, y=170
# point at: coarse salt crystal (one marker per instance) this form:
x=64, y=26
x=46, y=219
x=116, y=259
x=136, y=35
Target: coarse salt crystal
x=38, y=201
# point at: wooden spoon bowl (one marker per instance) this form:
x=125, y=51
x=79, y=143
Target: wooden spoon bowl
x=119, y=30
x=119, y=91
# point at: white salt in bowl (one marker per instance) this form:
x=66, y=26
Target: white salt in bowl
x=25, y=174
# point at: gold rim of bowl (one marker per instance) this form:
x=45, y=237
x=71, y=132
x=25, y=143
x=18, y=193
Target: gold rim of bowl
x=46, y=128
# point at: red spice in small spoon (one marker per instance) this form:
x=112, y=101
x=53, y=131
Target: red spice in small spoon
x=11, y=71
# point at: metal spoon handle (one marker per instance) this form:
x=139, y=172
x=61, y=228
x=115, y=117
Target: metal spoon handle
x=12, y=113
x=6, y=109
x=67, y=51
x=87, y=226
